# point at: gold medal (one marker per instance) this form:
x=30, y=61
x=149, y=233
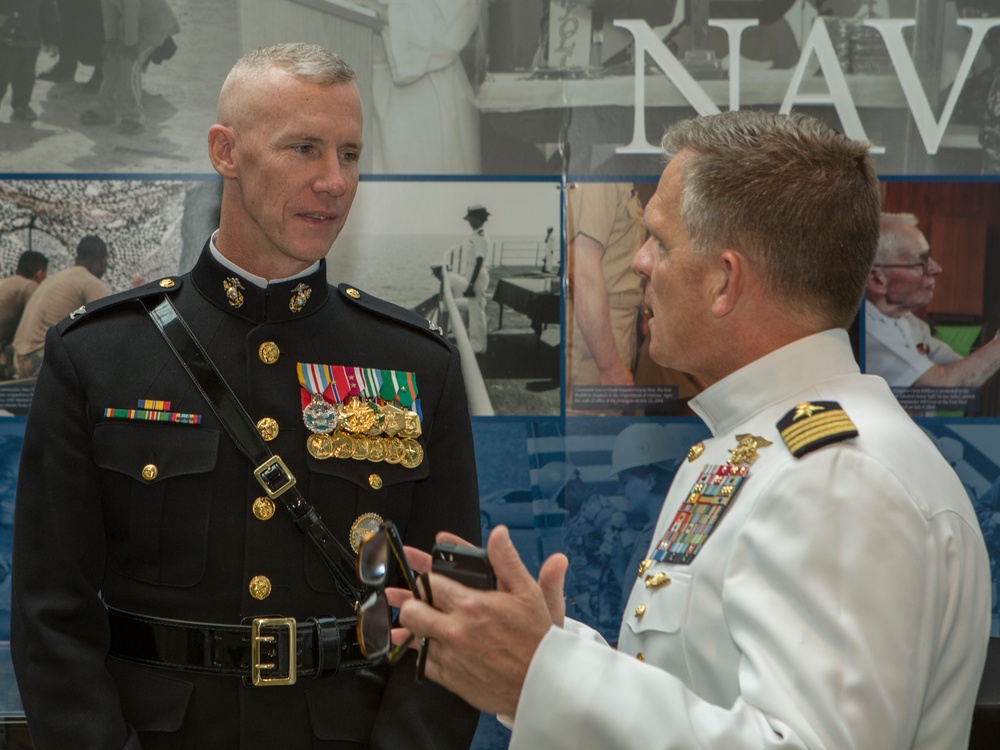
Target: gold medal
x=394, y=419
x=376, y=449
x=393, y=450
x=413, y=454
x=357, y=416
x=362, y=447
x=412, y=428
x=319, y=446
x=363, y=527
x=343, y=446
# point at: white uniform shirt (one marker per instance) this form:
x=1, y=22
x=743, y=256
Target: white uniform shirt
x=842, y=602
x=902, y=349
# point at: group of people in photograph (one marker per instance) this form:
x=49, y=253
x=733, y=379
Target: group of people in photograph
x=116, y=39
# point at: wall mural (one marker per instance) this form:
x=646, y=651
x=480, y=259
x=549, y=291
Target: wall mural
x=542, y=168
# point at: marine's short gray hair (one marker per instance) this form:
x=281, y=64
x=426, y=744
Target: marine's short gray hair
x=308, y=61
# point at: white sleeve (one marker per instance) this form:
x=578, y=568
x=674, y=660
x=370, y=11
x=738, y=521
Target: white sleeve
x=837, y=597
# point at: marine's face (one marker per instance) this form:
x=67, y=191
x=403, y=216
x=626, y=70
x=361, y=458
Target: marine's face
x=297, y=170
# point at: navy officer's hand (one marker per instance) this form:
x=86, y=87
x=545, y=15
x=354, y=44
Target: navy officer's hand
x=480, y=643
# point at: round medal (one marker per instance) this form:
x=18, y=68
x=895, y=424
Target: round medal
x=413, y=454
x=343, y=445
x=362, y=447
x=376, y=449
x=319, y=446
x=364, y=526
x=393, y=450
x=320, y=415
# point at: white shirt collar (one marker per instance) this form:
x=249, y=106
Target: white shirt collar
x=256, y=280
x=774, y=378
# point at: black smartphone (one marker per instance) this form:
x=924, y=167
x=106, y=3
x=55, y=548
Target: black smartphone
x=467, y=565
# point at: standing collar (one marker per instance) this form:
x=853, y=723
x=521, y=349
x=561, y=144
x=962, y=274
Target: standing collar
x=774, y=378
x=240, y=293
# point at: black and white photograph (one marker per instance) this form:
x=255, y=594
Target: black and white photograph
x=482, y=261
x=588, y=87
x=64, y=243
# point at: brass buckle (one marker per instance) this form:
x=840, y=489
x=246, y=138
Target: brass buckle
x=266, y=471
x=256, y=639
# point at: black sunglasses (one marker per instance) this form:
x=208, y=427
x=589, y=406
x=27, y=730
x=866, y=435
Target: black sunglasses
x=374, y=614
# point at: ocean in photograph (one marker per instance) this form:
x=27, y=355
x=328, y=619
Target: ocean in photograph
x=397, y=267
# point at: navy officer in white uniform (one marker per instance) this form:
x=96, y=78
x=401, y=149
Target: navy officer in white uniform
x=817, y=577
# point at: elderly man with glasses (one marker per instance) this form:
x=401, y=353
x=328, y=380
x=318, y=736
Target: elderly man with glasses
x=899, y=345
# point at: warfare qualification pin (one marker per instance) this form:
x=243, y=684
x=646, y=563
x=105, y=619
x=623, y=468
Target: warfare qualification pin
x=320, y=416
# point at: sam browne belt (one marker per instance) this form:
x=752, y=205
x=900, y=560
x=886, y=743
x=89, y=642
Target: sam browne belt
x=268, y=651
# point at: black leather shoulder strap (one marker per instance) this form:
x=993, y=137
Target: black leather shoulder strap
x=270, y=470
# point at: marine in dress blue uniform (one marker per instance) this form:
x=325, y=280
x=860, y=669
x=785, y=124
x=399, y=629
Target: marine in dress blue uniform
x=159, y=518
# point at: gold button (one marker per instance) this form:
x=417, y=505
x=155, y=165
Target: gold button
x=149, y=472
x=263, y=508
x=260, y=587
x=640, y=610
x=375, y=481
x=644, y=566
x=166, y=283
x=352, y=292
x=268, y=352
x=657, y=580
x=640, y=656
x=268, y=428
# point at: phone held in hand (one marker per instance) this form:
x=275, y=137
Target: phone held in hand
x=467, y=565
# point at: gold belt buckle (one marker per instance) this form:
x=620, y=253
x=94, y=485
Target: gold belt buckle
x=270, y=473
x=256, y=639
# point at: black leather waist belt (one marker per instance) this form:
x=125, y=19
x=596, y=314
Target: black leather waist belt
x=268, y=651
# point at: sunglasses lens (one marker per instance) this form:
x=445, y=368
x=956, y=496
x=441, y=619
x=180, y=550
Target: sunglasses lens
x=373, y=559
x=374, y=626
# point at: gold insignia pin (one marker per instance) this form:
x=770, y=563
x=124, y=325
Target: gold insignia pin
x=656, y=580
x=806, y=409
x=233, y=288
x=364, y=526
x=300, y=295
x=746, y=451
x=694, y=451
